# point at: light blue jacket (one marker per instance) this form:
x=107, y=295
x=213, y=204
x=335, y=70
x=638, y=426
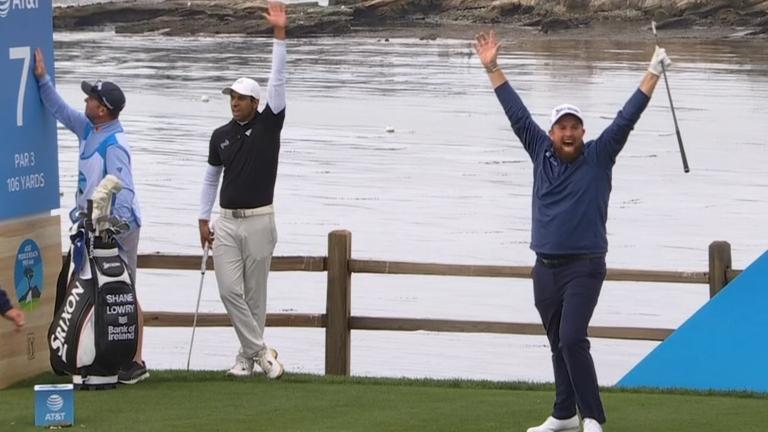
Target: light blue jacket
x=103, y=150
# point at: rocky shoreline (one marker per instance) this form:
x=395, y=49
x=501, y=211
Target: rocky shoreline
x=428, y=19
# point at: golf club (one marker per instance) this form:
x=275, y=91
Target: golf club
x=671, y=106
x=199, y=293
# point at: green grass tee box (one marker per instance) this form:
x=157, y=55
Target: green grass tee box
x=209, y=401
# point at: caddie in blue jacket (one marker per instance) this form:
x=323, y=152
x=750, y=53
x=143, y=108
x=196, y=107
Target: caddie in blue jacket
x=103, y=150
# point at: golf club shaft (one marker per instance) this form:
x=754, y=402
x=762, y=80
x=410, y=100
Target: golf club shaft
x=674, y=118
x=199, y=294
x=671, y=105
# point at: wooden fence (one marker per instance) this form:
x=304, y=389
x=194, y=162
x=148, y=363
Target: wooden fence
x=339, y=322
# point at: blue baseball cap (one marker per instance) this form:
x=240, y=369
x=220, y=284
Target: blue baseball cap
x=106, y=92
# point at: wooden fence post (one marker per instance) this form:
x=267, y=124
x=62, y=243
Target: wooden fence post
x=719, y=265
x=338, y=304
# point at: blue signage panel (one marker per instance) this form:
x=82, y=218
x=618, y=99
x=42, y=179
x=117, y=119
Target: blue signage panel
x=721, y=347
x=29, y=166
x=54, y=404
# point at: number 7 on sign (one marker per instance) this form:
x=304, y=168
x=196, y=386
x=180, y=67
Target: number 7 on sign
x=21, y=53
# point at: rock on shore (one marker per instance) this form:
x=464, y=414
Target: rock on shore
x=189, y=17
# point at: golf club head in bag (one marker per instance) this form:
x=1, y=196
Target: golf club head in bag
x=95, y=324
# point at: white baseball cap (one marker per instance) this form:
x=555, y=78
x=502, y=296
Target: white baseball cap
x=244, y=86
x=562, y=110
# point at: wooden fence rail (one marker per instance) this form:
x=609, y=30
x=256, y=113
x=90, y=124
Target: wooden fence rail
x=338, y=321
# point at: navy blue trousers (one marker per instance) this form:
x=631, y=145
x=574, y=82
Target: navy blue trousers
x=566, y=295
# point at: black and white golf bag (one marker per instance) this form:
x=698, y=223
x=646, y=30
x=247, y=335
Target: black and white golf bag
x=95, y=323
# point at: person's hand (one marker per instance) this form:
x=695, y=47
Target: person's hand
x=40, y=71
x=659, y=58
x=276, y=16
x=487, y=49
x=206, y=233
x=17, y=317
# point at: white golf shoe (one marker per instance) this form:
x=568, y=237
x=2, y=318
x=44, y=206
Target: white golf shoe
x=552, y=424
x=591, y=425
x=267, y=361
x=243, y=367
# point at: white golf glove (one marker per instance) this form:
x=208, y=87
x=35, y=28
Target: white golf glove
x=659, y=56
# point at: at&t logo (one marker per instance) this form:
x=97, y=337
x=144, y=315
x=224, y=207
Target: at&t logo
x=7, y=5
x=54, y=402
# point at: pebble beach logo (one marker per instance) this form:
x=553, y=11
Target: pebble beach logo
x=28, y=275
x=8, y=5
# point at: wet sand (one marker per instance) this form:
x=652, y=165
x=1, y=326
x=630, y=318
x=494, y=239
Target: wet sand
x=639, y=31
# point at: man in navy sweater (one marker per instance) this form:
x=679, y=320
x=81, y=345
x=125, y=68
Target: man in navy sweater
x=571, y=188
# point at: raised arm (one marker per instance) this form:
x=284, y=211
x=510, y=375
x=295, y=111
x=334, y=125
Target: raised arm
x=655, y=68
x=68, y=116
x=533, y=138
x=487, y=48
x=613, y=138
x=276, y=16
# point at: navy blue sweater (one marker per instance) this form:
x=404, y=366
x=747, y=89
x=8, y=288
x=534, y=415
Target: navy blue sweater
x=570, y=200
x=5, y=304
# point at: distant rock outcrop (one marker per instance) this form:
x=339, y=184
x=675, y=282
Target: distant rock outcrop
x=187, y=17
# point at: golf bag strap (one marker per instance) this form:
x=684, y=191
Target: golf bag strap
x=62, y=282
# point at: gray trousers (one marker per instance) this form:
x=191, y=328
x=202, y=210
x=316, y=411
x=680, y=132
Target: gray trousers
x=128, y=249
x=242, y=254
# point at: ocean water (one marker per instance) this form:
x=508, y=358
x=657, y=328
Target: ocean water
x=449, y=184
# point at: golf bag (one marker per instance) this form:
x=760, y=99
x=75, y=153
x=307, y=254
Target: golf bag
x=95, y=323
